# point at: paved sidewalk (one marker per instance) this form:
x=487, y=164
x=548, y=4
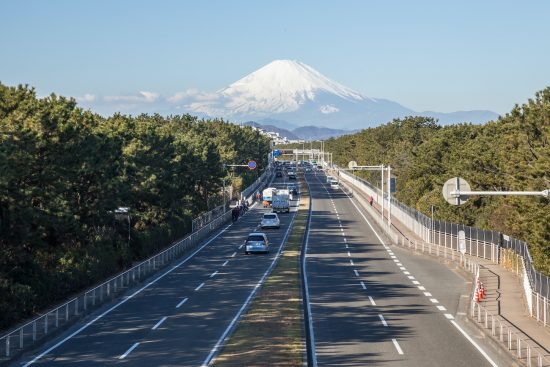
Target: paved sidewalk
x=504, y=296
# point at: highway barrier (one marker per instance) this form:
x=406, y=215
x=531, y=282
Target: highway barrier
x=26, y=336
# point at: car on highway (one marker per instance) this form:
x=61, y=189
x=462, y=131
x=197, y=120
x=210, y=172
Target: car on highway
x=270, y=220
x=256, y=242
x=278, y=174
x=291, y=175
x=329, y=178
x=292, y=188
x=334, y=184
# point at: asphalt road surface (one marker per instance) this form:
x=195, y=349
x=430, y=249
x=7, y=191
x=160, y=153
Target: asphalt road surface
x=179, y=319
x=374, y=304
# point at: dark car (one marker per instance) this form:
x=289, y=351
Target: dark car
x=278, y=174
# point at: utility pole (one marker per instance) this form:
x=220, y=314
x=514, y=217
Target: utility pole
x=389, y=195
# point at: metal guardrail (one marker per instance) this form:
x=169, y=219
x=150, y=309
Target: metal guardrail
x=509, y=336
x=28, y=334
x=480, y=243
x=206, y=218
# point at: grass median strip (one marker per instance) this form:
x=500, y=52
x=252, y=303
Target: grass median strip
x=271, y=332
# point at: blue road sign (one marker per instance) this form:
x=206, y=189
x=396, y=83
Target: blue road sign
x=252, y=165
x=276, y=153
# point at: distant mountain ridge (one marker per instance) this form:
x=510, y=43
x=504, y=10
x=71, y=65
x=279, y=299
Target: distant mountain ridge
x=302, y=132
x=290, y=93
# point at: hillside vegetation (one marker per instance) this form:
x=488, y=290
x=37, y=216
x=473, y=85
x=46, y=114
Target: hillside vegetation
x=64, y=171
x=512, y=153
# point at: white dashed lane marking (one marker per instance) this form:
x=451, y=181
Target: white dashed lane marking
x=356, y=272
x=159, y=323
x=181, y=303
x=383, y=321
x=129, y=351
x=363, y=285
x=199, y=287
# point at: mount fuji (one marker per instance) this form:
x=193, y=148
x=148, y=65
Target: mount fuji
x=289, y=93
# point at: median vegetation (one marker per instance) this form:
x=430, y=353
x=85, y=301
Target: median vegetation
x=65, y=170
x=512, y=153
x=271, y=332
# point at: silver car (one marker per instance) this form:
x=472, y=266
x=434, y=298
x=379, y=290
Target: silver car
x=270, y=220
x=256, y=242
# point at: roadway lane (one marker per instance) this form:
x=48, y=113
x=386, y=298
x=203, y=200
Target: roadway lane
x=373, y=305
x=178, y=319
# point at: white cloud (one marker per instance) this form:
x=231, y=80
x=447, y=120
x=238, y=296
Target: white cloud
x=183, y=95
x=192, y=94
x=86, y=98
x=143, y=96
x=326, y=109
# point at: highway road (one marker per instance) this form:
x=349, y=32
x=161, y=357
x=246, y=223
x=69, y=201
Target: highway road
x=374, y=304
x=180, y=316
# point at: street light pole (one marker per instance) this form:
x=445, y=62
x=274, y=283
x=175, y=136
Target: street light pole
x=389, y=196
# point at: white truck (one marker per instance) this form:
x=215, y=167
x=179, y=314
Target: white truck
x=281, y=201
x=268, y=193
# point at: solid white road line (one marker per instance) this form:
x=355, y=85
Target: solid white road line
x=372, y=301
x=356, y=272
x=213, y=274
x=363, y=285
x=129, y=351
x=199, y=287
x=159, y=323
x=474, y=344
x=225, y=263
x=383, y=321
x=396, y=344
x=182, y=302
x=78, y=331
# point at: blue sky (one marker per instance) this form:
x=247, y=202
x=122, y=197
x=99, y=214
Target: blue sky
x=426, y=55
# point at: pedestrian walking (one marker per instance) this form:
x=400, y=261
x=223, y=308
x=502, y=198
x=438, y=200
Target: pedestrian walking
x=370, y=200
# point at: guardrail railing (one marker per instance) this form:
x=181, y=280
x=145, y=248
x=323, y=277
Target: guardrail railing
x=65, y=314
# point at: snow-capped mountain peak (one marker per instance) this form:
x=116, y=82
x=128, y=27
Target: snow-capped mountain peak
x=293, y=92
x=282, y=86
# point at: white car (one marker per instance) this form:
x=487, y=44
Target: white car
x=329, y=179
x=270, y=220
x=334, y=185
x=256, y=242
